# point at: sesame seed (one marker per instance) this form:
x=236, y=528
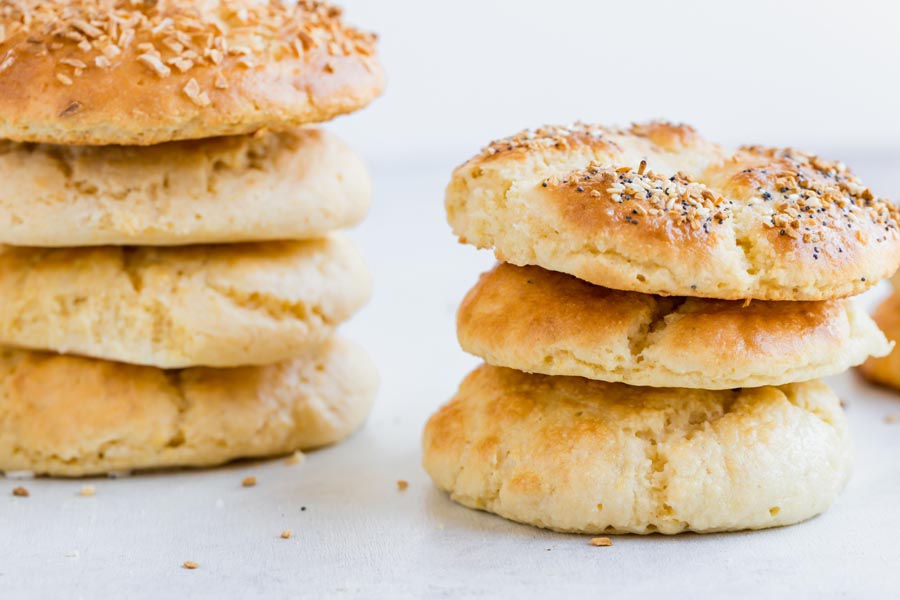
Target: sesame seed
x=111, y=51
x=296, y=458
x=192, y=91
x=182, y=64
x=73, y=107
x=21, y=492
x=190, y=565
x=248, y=481
x=155, y=64
x=195, y=32
x=655, y=192
x=286, y=534
x=73, y=62
x=601, y=541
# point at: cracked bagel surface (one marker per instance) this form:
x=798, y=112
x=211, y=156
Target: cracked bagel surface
x=72, y=416
x=658, y=209
x=577, y=455
x=540, y=321
x=219, y=306
x=293, y=185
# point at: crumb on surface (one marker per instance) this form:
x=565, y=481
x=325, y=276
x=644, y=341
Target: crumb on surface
x=402, y=484
x=286, y=534
x=295, y=459
x=601, y=541
x=891, y=419
x=87, y=490
x=21, y=492
x=189, y=564
x=248, y=481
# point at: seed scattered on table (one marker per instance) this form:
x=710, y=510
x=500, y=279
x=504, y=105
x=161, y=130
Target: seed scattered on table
x=189, y=564
x=87, y=490
x=286, y=534
x=891, y=419
x=249, y=481
x=402, y=484
x=601, y=541
x=20, y=492
x=295, y=459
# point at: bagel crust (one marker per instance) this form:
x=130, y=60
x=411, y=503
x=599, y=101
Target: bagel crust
x=658, y=209
x=886, y=370
x=539, y=321
x=291, y=185
x=69, y=416
x=140, y=72
x=583, y=456
x=186, y=306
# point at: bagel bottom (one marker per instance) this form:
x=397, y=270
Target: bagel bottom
x=72, y=416
x=576, y=455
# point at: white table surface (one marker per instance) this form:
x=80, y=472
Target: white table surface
x=359, y=537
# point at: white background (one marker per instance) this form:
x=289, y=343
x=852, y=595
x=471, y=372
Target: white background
x=823, y=76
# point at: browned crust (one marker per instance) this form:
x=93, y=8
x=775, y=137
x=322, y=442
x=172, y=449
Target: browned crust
x=771, y=224
x=249, y=66
x=540, y=321
x=71, y=416
x=886, y=371
x=584, y=456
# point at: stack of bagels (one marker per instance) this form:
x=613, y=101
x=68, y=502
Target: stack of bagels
x=655, y=337
x=170, y=277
